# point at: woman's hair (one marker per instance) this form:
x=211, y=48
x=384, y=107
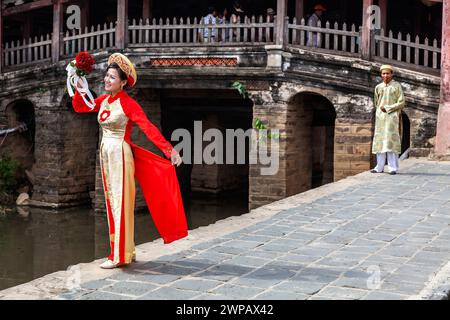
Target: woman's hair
x=122, y=75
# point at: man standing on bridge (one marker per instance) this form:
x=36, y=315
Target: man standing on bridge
x=389, y=101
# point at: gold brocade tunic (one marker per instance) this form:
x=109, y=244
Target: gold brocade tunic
x=117, y=165
x=387, y=124
x=116, y=116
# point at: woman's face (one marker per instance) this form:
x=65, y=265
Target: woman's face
x=113, y=83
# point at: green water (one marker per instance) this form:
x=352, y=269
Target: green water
x=35, y=242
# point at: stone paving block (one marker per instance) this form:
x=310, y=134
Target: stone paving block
x=196, y=284
x=248, y=261
x=207, y=244
x=259, y=238
x=100, y=295
x=381, y=295
x=300, y=286
x=317, y=274
x=96, y=284
x=343, y=293
x=314, y=251
x=269, y=247
x=281, y=295
x=237, y=292
x=213, y=256
x=171, y=269
x=167, y=293
x=157, y=278
x=274, y=231
x=399, y=251
x=215, y=275
x=302, y=237
x=130, y=288
x=263, y=254
x=264, y=277
x=402, y=287
x=226, y=249
x=211, y=296
x=231, y=269
x=298, y=259
x=243, y=244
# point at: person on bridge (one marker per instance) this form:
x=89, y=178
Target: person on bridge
x=389, y=101
x=121, y=161
x=313, y=21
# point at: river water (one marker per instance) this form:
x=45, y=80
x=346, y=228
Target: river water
x=35, y=242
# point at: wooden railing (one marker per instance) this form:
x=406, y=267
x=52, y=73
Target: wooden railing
x=27, y=52
x=332, y=39
x=405, y=50
x=102, y=37
x=180, y=32
x=255, y=31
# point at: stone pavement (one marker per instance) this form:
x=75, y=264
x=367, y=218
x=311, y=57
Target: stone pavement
x=371, y=236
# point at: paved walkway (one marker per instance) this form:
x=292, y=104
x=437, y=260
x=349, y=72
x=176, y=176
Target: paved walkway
x=372, y=236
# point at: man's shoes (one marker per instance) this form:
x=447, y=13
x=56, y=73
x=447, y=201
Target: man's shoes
x=392, y=173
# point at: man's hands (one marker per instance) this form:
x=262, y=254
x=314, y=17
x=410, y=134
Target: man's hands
x=175, y=157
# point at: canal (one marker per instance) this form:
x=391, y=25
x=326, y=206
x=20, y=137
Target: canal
x=35, y=242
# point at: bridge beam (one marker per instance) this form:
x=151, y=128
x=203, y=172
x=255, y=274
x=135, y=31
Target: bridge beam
x=442, y=148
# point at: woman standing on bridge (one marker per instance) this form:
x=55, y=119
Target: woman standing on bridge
x=121, y=160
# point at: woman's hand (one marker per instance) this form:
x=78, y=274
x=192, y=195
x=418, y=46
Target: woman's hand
x=175, y=157
x=80, y=88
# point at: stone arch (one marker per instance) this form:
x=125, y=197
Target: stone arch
x=20, y=144
x=405, y=132
x=310, y=146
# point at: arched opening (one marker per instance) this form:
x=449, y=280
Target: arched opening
x=218, y=189
x=311, y=147
x=405, y=132
x=17, y=140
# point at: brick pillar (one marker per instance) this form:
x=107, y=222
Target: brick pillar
x=442, y=148
x=64, y=153
x=352, y=146
x=264, y=189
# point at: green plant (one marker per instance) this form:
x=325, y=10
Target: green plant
x=8, y=174
x=258, y=124
x=239, y=86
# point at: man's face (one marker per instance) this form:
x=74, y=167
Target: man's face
x=386, y=75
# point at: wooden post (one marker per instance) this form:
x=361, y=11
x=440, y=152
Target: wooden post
x=299, y=9
x=1, y=38
x=57, y=36
x=383, y=11
x=147, y=9
x=281, y=14
x=366, y=30
x=442, y=147
x=122, y=24
x=84, y=18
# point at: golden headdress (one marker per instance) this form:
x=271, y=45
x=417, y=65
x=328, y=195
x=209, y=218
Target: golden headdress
x=126, y=66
